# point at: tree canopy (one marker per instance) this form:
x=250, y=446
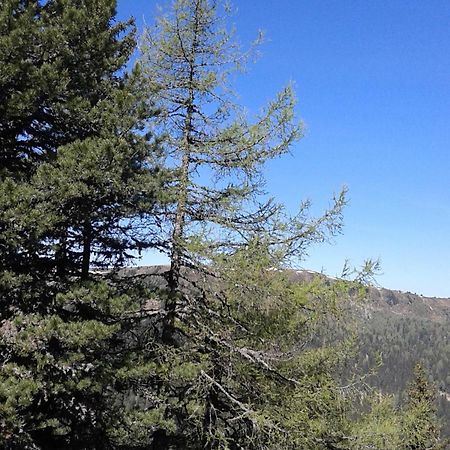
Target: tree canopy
x=77, y=172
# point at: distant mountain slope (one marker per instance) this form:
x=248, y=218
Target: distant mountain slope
x=405, y=304
x=410, y=305
x=405, y=328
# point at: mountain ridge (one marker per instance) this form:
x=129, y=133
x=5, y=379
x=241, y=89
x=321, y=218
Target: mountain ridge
x=403, y=327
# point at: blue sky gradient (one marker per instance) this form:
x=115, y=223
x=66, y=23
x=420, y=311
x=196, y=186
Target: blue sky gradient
x=373, y=83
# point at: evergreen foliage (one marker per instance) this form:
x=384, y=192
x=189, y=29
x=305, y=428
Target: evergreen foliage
x=77, y=174
x=224, y=349
x=58, y=59
x=421, y=428
x=404, y=339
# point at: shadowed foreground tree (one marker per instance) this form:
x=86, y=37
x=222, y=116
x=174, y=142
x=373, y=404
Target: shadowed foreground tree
x=78, y=178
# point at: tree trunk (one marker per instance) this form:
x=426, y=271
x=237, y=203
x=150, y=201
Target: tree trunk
x=180, y=216
x=61, y=256
x=87, y=242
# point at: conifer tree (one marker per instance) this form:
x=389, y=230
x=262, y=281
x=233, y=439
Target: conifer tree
x=78, y=178
x=47, y=49
x=233, y=325
x=222, y=354
x=238, y=362
x=420, y=424
x=218, y=153
x=59, y=61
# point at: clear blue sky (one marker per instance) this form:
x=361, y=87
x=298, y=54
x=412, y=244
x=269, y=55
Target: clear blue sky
x=373, y=83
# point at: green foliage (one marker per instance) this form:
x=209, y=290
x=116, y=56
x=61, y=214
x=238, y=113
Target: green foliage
x=380, y=428
x=58, y=59
x=421, y=429
x=225, y=349
x=78, y=171
x=264, y=379
x=403, y=340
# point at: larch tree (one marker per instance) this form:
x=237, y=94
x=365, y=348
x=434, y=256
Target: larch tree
x=233, y=367
x=243, y=354
x=218, y=154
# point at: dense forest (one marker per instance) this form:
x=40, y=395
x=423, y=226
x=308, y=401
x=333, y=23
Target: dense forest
x=102, y=159
x=407, y=329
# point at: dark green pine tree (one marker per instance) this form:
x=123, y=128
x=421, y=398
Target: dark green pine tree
x=58, y=61
x=79, y=177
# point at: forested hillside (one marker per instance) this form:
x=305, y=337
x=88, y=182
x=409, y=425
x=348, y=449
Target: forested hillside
x=403, y=329
x=406, y=329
